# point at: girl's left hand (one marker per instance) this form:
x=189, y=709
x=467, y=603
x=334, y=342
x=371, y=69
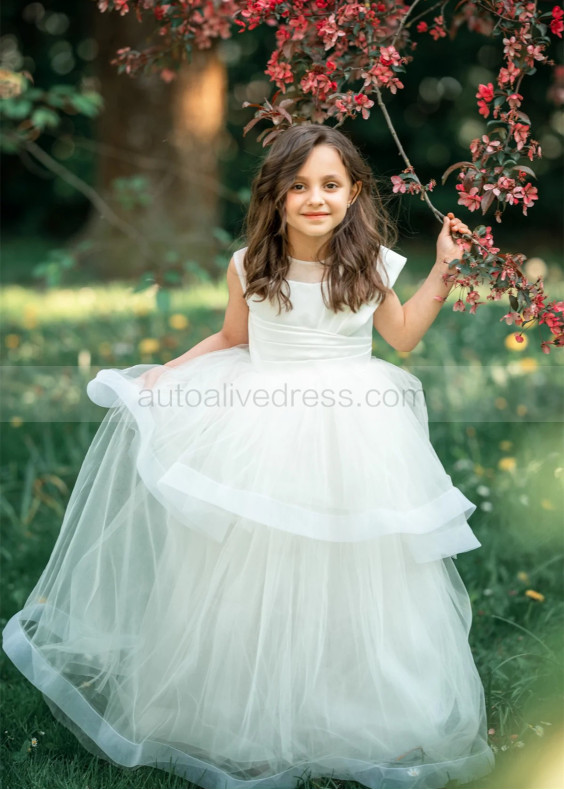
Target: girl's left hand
x=447, y=249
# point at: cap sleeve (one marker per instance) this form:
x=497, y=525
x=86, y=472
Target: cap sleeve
x=391, y=264
x=239, y=258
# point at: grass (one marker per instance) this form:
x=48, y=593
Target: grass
x=495, y=422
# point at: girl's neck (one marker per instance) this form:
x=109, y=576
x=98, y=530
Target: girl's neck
x=303, y=260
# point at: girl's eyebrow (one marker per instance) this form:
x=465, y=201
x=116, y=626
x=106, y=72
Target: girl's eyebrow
x=303, y=178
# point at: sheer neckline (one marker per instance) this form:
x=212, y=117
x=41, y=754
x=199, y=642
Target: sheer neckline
x=299, y=260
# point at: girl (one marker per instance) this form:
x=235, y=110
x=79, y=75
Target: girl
x=254, y=581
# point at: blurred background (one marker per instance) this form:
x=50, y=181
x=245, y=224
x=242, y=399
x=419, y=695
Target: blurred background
x=171, y=163
x=122, y=204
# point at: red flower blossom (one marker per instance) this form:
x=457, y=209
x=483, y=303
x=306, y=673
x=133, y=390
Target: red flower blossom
x=556, y=23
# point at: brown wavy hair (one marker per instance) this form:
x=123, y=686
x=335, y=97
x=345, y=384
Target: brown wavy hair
x=354, y=244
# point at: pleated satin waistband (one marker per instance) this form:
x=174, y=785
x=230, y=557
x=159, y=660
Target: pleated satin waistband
x=270, y=342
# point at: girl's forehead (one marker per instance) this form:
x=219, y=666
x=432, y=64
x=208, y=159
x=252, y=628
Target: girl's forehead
x=324, y=160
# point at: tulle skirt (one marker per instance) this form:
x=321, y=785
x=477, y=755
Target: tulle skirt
x=251, y=592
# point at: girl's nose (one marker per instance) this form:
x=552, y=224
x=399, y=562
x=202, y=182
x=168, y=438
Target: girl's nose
x=315, y=198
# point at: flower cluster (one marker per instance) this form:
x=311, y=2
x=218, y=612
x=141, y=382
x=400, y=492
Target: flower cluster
x=407, y=182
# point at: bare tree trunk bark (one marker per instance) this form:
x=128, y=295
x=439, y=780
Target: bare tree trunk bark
x=169, y=133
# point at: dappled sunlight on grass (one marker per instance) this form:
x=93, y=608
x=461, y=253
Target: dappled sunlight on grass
x=30, y=308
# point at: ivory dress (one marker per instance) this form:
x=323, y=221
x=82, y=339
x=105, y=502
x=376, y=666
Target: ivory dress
x=253, y=587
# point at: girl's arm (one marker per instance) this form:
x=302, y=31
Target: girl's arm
x=403, y=326
x=233, y=332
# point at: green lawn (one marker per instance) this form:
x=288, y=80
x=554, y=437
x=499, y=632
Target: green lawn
x=496, y=423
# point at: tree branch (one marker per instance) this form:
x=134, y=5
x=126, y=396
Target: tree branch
x=95, y=199
x=404, y=156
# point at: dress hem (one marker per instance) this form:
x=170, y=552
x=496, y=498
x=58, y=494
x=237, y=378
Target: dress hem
x=113, y=746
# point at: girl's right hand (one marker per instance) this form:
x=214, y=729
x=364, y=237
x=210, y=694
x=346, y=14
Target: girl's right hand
x=148, y=379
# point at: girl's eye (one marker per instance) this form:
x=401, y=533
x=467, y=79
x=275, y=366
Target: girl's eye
x=331, y=183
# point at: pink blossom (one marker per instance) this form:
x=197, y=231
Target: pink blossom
x=520, y=133
x=279, y=73
x=300, y=26
x=469, y=199
x=514, y=100
x=318, y=84
x=329, y=32
x=438, y=30
x=528, y=194
x=389, y=56
x=511, y=318
x=512, y=47
x=556, y=23
x=399, y=184
x=458, y=306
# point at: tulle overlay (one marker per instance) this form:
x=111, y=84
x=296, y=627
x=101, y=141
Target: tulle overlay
x=252, y=590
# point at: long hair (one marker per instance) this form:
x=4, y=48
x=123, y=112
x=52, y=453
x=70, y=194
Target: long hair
x=349, y=256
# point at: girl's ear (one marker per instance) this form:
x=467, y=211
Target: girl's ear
x=355, y=191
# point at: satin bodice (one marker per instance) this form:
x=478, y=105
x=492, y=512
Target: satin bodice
x=312, y=331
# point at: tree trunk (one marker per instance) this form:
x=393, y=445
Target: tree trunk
x=168, y=133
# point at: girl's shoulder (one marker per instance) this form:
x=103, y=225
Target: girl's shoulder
x=391, y=264
x=239, y=260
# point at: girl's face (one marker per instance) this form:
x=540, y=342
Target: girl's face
x=317, y=200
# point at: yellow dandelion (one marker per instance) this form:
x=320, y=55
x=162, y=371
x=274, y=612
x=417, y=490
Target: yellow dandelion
x=528, y=364
x=149, y=345
x=16, y=422
x=500, y=403
x=546, y=504
x=507, y=464
x=178, y=321
x=470, y=431
x=536, y=596
x=403, y=354
x=12, y=341
x=521, y=410
x=105, y=349
x=523, y=576
x=479, y=470
x=505, y=445
x=513, y=345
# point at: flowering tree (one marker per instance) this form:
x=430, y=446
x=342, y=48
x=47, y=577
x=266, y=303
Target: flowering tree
x=335, y=60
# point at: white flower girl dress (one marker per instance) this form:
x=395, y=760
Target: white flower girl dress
x=254, y=581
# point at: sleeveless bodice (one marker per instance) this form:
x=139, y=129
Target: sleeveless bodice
x=311, y=330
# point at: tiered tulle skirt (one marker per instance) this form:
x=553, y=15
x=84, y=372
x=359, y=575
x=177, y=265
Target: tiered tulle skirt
x=253, y=594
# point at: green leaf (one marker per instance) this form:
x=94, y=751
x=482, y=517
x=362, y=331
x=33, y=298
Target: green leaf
x=88, y=104
x=43, y=117
x=513, y=301
x=145, y=281
x=163, y=300
x=16, y=108
x=172, y=277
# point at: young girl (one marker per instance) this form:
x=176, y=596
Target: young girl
x=254, y=582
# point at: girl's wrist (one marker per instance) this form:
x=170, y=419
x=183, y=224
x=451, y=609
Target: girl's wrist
x=441, y=288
